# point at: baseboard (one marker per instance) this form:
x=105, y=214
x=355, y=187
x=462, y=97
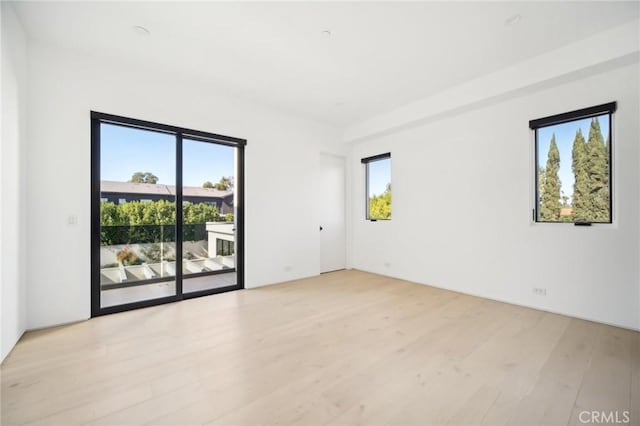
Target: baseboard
x=510, y=302
x=282, y=282
x=12, y=348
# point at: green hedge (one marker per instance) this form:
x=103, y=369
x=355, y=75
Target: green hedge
x=154, y=222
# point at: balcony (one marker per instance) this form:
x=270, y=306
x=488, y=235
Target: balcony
x=133, y=255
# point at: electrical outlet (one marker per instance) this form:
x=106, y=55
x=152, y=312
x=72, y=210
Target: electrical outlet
x=72, y=219
x=287, y=268
x=387, y=264
x=540, y=291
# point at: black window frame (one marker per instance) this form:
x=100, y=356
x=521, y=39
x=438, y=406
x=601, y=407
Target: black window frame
x=366, y=161
x=567, y=117
x=224, y=247
x=181, y=133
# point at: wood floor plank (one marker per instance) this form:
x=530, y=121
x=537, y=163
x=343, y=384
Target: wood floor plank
x=634, y=397
x=345, y=348
x=606, y=384
x=551, y=398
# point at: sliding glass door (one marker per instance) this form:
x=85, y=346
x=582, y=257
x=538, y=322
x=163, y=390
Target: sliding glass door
x=167, y=214
x=137, y=215
x=208, y=211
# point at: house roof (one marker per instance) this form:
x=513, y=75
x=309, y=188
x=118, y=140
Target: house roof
x=159, y=189
x=195, y=191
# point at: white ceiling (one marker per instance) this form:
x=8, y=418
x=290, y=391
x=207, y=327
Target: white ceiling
x=380, y=55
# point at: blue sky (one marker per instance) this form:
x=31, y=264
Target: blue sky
x=565, y=133
x=379, y=176
x=125, y=151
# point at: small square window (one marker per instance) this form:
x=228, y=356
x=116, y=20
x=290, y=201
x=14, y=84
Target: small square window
x=378, y=187
x=224, y=247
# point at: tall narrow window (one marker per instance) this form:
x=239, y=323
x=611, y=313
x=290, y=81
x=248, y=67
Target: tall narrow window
x=573, y=166
x=378, y=186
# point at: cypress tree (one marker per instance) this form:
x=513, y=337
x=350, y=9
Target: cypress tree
x=606, y=177
x=541, y=176
x=598, y=175
x=550, y=204
x=580, y=199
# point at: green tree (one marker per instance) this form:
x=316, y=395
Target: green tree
x=161, y=212
x=541, y=176
x=200, y=213
x=597, y=170
x=110, y=214
x=146, y=177
x=580, y=200
x=224, y=184
x=380, y=205
x=207, y=184
x=550, y=204
x=607, y=193
x=137, y=177
x=133, y=213
x=195, y=216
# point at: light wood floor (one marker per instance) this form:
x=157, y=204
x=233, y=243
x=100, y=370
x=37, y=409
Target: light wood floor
x=344, y=348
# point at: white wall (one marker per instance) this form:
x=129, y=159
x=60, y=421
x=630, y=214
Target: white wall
x=603, y=50
x=462, y=201
x=12, y=182
x=282, y=169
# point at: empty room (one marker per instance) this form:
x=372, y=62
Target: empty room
x=320, y=213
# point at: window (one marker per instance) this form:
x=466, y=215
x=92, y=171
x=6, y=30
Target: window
x=224, y=248
x=378, y=186
x=573, y=166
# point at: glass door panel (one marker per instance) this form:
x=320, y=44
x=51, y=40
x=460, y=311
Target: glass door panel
x=137, y=215
x=208, y=212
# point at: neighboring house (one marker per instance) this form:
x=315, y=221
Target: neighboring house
x=122, y=192
x=221, y=238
